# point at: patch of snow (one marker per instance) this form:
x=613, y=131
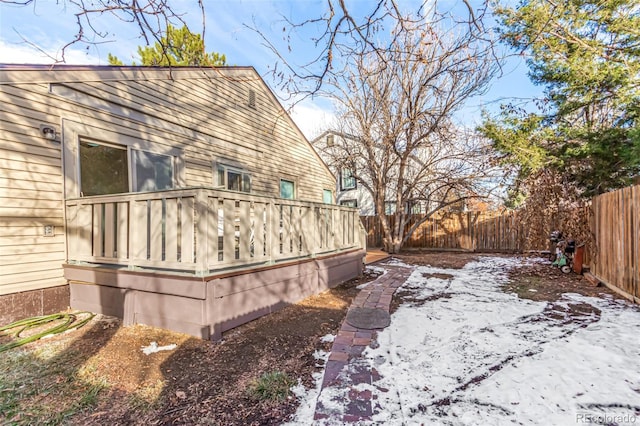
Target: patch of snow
x=153, y=348
x=308, y=397
x=396, y=262
x=372, y=269
x=463, y=352
x=328, y=338
x=471, y=354
x=318, y=354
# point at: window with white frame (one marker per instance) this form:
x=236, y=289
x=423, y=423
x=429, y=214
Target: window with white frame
x=347, y=179
x=233, y=178
x=107, y=168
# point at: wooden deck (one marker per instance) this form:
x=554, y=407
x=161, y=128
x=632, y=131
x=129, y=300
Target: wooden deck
x=375, y=255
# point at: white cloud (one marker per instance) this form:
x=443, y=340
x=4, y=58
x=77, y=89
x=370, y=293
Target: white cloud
x=23, y=53
x=312, y=119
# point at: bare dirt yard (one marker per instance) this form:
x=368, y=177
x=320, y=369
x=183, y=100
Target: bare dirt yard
x=99, y=374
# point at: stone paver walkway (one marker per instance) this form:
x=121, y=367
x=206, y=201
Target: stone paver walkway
x=342, y=401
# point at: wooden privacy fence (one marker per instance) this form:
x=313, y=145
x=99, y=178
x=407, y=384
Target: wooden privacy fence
x=475, y=231
x=616, y=227
x=609, y=227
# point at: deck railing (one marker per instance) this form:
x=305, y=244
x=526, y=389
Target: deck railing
x=200, y=230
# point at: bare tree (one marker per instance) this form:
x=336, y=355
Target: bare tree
x=397, y=104
x=347, y=30
x=150, y=17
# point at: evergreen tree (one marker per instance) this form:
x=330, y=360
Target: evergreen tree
x=178, y=47
x=586, y=53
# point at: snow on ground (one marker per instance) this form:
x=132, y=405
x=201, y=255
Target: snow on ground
x=307, y=398
x=372, y=270
x=466, y=353
x=463, y=352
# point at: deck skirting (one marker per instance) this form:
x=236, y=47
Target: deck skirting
x=206, y=306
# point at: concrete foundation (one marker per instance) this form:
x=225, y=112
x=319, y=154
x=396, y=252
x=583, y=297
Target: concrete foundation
x=205, y=306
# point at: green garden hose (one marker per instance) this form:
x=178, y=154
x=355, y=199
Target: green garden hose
x=69, y=321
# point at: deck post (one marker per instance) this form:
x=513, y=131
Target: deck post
x=202, y=240
x=273, y=232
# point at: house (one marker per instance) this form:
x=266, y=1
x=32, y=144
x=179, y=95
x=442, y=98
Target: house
x=184, y=198
x=349, y=189
x=335, y=148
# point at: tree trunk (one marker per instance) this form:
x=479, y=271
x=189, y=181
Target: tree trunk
x=393, y=246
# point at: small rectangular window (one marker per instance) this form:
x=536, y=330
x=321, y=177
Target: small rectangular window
x=329, y=140
x=389, y=207
x=349, y=203
x=287, y=189
x=327, y=196
x=347, y=180
x=414, y=207
x=220, y=173
x=232, y=178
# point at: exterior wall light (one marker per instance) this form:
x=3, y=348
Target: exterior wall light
x=48, y=132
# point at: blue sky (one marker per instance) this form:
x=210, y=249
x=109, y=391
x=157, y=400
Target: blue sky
x=50, y=26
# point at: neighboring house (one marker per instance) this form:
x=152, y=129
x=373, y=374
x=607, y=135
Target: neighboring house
x=349, y=190
x=350, y=179
x=184, y=198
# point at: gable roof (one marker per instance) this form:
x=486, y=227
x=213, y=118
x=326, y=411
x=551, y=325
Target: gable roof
x=64, y=73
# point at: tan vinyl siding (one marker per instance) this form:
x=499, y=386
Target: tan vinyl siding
x=30, y=197
x=203, y=113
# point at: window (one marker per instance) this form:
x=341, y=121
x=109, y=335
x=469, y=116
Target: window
x=414, y=207
x=152, y=172
x=389, y=207
x=287, y=189
x=329, y=140
x=233, y=179
x=349, y=203
x=327, y=196
x=104, y=168
x=347, y=180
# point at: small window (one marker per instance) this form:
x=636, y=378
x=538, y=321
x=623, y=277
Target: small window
x=389, y=207
x=329, y=140
x=232, y=178
x=349, y=203
x=415, y=207
x=347, y=180
x=327, y=196
x=287, y=189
